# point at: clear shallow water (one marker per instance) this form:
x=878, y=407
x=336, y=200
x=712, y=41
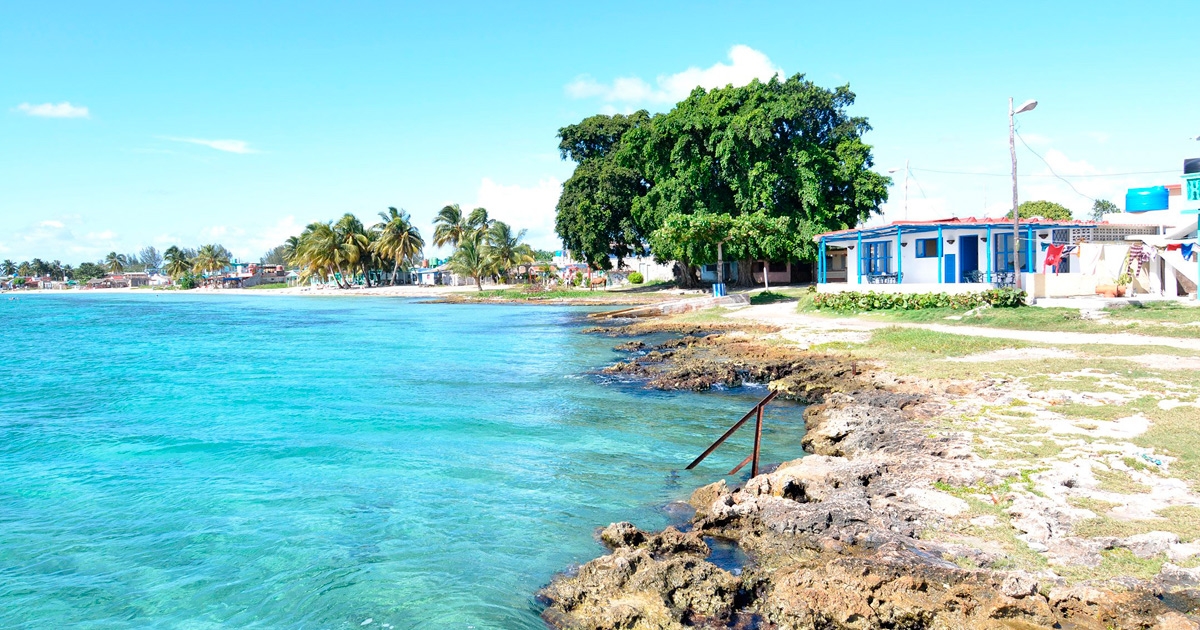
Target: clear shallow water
x=175, y=461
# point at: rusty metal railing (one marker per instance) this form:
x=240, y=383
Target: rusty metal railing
x=757, y=412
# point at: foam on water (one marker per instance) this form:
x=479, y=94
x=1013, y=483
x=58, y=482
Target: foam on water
x=184, y=461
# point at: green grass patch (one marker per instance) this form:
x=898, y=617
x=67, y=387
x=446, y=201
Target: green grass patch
x=533, y=296
x=1181, y=520
x=1119, y=481
x=1048, y=319
x=271, y=285
x=1174, y=432
x=1173, y=312
x=772, y=296
x=1115, y=563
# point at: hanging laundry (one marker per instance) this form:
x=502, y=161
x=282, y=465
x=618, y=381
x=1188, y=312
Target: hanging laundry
x=1186, y=249
x=1054, y=254
x=1089, y=258
x=1173, y=246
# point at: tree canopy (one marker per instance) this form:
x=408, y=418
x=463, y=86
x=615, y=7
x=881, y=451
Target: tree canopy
x=1044, y=209
x=595, y=211
x=1101, y=207
x=761, y=167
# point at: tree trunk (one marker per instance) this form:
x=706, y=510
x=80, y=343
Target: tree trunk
x=745, y=273
x=395, y=271
x=478, y=283
x=685, y=275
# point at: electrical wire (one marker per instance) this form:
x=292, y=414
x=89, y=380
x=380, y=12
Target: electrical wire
x=949, y=172
x=1039, y=156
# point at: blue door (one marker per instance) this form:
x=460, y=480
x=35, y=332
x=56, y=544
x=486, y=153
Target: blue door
x=951, y=269
x=968, y=248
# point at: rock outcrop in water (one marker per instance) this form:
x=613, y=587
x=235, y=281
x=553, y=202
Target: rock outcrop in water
x=836, y=537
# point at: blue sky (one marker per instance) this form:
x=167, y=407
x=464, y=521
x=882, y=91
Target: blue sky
x=128, y=124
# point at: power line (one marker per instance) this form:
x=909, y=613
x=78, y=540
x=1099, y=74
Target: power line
x=1039, y=156
x=950, y=172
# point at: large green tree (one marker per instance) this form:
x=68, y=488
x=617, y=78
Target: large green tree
x=1045, y=210
x=595, y=210
x=763, y=167
x=783, y=159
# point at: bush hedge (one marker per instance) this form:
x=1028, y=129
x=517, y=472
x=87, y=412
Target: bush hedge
x=872, y=301
x=636, y=277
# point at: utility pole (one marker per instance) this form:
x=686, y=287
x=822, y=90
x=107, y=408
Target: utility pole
x=1012, y=149
x=905, y=191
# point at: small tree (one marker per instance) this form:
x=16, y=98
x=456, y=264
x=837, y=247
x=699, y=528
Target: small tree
x=1102, y=207
x=1044, y=209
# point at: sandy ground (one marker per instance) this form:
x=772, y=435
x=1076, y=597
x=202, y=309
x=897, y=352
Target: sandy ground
x=799, y=327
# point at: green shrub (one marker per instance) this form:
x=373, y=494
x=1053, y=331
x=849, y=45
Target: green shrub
x=186, y=281
x=636, y=277
x=872, y=301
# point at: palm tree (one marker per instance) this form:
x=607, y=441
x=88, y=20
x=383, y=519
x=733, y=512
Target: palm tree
x=114, y=262
x=289, y=249
x=9, y=267
x=355, y=244
x=178, y=262
x=450, y=226
x=321, y=253
x=398, y=240
x=479, y=220
x=210, y=259
x=471, y=259
x=68, y=272
x=505, y=249
x=24, y=269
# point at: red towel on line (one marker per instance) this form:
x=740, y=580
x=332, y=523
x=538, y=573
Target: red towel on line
x=1173, y=246
x=1054, y=256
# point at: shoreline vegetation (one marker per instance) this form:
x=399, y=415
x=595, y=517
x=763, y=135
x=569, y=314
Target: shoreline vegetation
x=949, y=481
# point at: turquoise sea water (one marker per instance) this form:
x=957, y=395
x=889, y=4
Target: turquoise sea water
x=180, y=461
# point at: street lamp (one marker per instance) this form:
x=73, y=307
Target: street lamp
x=893, y=170
x=1012, y=149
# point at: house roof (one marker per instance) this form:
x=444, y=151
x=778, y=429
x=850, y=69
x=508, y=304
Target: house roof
x=953, y=222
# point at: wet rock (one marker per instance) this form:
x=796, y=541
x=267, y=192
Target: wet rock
x=837, y=537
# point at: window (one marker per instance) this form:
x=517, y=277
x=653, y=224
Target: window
x=927, y=248
x=1004, y=252
x=875, y=258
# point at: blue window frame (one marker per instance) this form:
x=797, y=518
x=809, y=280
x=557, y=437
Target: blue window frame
x=927, y=248
x=1004, y=252
x=876, y=258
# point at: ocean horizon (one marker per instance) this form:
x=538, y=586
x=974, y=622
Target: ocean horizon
x=183, y=461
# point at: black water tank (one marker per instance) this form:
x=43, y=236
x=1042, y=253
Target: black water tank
x=1191, y=165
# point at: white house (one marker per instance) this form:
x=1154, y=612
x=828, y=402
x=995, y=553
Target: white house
x=958, y=255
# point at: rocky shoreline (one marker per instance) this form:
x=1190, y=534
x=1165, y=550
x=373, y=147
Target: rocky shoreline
x=845, y=537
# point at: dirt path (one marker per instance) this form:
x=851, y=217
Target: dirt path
x=784, y=314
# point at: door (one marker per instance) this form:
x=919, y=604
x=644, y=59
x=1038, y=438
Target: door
x=968, y=253
x=951, y=270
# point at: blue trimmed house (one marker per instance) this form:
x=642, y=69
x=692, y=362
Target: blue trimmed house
x=919, y=256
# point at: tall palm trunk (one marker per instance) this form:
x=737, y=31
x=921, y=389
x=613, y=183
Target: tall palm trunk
x=395, y=270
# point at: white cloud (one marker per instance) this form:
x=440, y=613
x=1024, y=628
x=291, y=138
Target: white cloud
x=524, y=208
x=745, y=64
x=229, y=146
x=52, y=224
x=52, y=110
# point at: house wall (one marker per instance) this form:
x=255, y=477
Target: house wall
x=922, y=270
